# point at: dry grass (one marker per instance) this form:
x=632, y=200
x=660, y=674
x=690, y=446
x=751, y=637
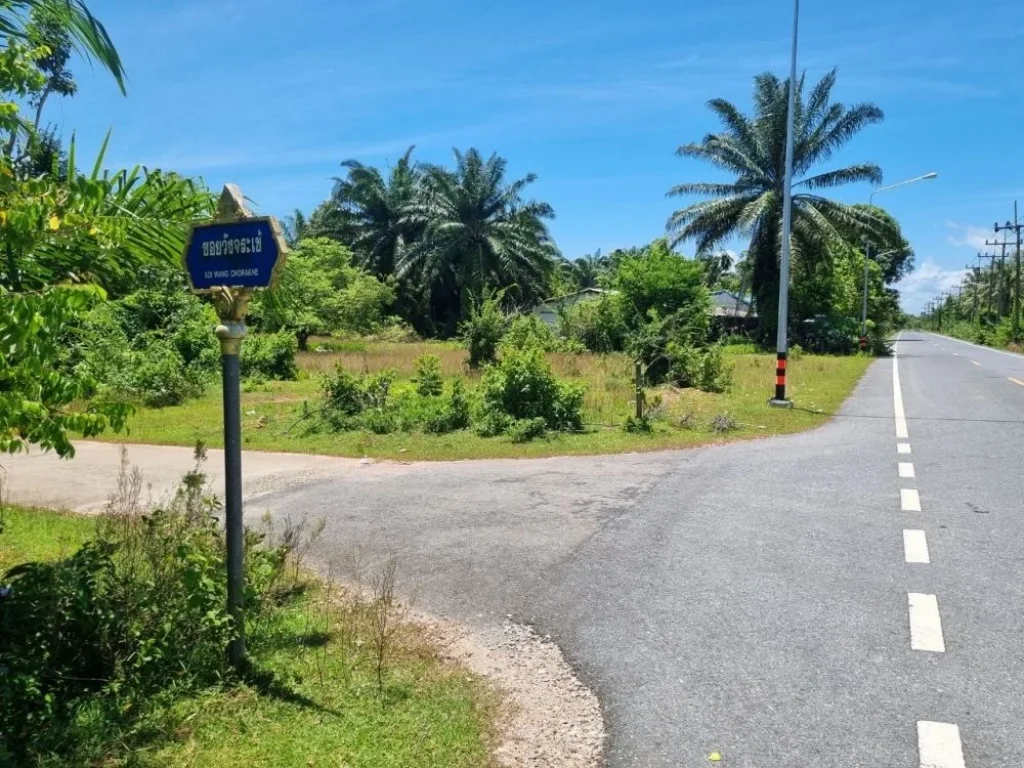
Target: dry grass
x=818, y=385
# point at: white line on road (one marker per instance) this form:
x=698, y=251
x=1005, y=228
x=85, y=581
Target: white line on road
x=1017, y=381
x=925, y=625
x=915, y=547
x=956, y=354
x=975, y=362
x=897, y=398
x=910, y=500
x=902, y=447
x=938, y=745
x=906, y=469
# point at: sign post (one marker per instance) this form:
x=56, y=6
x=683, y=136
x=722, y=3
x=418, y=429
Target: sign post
x=231, y=258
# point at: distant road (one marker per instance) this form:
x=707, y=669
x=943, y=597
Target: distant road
x=850, y=596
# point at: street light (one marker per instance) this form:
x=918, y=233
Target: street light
x=867, y=252
x=782, y=340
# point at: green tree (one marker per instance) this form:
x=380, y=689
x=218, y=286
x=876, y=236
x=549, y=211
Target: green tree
x=660, y=282
x=376, y=208
x=587, y=271
x=478, y=233
x=321, y=291
x=753, y=149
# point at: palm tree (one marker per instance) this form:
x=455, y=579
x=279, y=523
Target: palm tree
x=377, y=207
x=716, y=266
x=478, y=234
x=72, y=18
x=753, y=149
x=588, y=270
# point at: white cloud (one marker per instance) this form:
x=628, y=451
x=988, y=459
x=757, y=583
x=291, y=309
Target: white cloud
x=968, y=235
x=925, y=282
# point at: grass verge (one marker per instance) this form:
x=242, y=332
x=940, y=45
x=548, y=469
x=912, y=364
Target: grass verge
x=818, y=385
x=315, y=698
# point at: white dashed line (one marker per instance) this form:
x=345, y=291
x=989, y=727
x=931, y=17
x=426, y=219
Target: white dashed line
x=1017, y=381
x=897, y=398
x=956, y=354
x=938, y=745
x=915, y=547
x=902, y=447
x=906, y=469
x=910, y=501
x=925, y=625
x=975, y=362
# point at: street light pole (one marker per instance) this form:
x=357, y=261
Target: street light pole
x=782, y=341
x=867, y=252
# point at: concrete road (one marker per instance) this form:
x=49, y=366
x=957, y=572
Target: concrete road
x=782, y=602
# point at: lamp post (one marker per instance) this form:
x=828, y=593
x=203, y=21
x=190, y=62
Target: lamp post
x=782, y=340
x=867, y=252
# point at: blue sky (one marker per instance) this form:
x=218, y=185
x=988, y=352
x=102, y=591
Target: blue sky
x=594, y=97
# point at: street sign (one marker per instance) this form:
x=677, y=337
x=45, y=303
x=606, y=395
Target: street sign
x=238, y=254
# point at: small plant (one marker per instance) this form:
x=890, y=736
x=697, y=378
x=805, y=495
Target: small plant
x=454, y=415
x=429, y=381
x=722, y=423
x=387, y=615
x=482, y=331
x=638, y=426
x=525, y=430
x=795, y=352
x=530, y=331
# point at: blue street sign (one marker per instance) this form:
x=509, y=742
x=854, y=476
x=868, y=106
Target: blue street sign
x=241, y=254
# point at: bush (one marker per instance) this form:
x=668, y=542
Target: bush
x=530, y=331
x=454, y=415
x=156, y=345
x=138, y=611
x=429, y=380
x=704, y=369
x=598, y=325
x=482, y=331
x=353, y=402
x=525, y=430
x=269, y=356
x=522, y=386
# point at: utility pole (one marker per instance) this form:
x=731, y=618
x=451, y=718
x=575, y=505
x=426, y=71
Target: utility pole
x=974, y=293
x=1004, y=292
x=981, y=276
x=1016, y=226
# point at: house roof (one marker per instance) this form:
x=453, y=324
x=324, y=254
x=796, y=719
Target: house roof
x=728, y=304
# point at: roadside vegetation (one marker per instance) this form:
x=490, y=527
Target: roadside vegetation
x=112, y=636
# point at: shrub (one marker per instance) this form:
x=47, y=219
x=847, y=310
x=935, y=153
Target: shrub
x=530, y=331
x=598, y=325
x=704, y=369
x=351, y=402
x=522, y=386
x=829, y=336
x=525, y=430
x=722, y=423
x=160, y=377
x=454, y=415
x=429, y=381
x=342, y=392
x=638, y=426
x=269, y=356
x=138, y=611
x=482, y=331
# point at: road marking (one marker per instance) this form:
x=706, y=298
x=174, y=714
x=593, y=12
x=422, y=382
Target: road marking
x=956, y=354
x=902, y=447
x=915, y=547
x=938, y=745
x=906, y=469
x=925, y=625
x=910, y=501
x=975, y=362
x=1015, y=355
x=897, y=398
x=1017, y=381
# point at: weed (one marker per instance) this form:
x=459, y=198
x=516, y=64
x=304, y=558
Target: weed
x=722, y=423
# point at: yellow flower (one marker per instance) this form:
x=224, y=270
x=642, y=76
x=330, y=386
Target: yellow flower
x=54, y=223
x=3, y=217
x=93, y=231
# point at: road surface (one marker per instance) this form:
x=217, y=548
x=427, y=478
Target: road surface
x=850, y=596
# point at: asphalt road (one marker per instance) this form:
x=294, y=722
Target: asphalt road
x=756, y=599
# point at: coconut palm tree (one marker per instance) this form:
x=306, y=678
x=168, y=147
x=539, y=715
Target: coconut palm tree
x=478, y=234
x=376, y=208
x=586, y=271
x=753, y=149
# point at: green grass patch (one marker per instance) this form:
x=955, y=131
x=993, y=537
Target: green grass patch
x=818, y=386
x=40, y=535
x=314, y=698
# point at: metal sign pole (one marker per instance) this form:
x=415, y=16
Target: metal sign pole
x=230, y=258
